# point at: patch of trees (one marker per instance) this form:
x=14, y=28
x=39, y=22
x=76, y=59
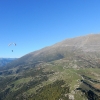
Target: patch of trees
x=36, y=72
x=32, y=73
x=6, y=84
x=53, y=91
x=9, y=95
x=5, y=81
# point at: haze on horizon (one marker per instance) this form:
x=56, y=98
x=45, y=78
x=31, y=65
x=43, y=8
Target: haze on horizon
x=33, y=24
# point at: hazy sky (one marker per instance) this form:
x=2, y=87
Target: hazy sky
x=34, y=24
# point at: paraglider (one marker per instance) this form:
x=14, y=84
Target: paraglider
x=12, y=44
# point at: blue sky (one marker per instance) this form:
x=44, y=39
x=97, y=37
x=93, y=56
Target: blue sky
x=35, y=24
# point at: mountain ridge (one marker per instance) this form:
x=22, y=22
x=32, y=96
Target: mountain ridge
x=88, y=44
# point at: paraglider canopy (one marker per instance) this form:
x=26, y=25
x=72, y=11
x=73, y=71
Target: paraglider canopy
x=12, y=44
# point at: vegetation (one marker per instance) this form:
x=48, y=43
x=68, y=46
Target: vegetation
x=56, y=80
x=53, y=91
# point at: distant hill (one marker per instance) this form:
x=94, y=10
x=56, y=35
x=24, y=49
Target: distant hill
x=5, y=61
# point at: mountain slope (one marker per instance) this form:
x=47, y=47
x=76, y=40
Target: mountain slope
x=70, y=68
x=79, y=46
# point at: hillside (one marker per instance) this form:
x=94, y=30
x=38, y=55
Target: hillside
x=83, y=46
x=68, y=70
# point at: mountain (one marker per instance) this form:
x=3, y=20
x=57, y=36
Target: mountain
x=68, y=70
x=83, y=47
x=5, y=61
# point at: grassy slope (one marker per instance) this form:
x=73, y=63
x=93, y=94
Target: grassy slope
x=34, y=79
